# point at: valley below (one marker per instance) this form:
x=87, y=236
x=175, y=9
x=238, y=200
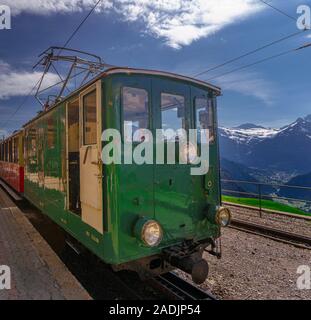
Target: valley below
x=274, y=164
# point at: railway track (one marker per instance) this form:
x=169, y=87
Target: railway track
x=176, y=288
x=294, y=239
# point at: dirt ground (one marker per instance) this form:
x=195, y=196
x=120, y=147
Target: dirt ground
x=253, y=267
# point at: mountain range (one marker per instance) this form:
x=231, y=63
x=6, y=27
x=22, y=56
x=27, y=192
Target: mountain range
x=253, y=153
x=284, y=152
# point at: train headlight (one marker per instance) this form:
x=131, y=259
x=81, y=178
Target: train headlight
x=223, y=217
x=149, y=232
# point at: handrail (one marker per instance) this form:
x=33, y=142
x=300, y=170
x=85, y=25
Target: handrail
x=268, y=184
x=260, y=195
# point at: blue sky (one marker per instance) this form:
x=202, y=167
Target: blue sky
x=182, y=36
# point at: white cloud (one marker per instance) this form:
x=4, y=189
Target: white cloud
x=250, y=84
x=43, y=7
x=15, y=83
x=178, y=22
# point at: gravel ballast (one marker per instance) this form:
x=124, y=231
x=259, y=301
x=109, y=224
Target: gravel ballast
x=254, y=267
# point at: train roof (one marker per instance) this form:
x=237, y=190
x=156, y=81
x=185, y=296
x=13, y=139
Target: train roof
x=164, y=74
x=125, y=70
x=11, y=136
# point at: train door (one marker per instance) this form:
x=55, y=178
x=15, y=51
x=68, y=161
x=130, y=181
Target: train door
x=41, y=163
x=173, y=182
x=90, y=157
x=205, y=118
x=73, y=157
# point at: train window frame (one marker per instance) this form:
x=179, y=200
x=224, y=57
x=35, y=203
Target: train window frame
x=10, y=151
x=31, y=145
x=177, y=94
x=123, y=119
x=15, y=149
x=71, y=102
x=1, y=151
x=92, y=90
x=6, y=151
x=211, y=113
x=51, y=130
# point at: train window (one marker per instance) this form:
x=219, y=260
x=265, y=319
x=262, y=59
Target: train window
x=73, y=126
x=135, y=111
x=6, y=151
x=204, y=117
x=173, y=112
x=90, y=118
x=51, y=134
x=10, y=151
x=32, y=145
x=15, y=150
x=23, y=147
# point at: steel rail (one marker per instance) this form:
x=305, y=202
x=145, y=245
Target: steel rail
x=177, y=288
x=294, y=239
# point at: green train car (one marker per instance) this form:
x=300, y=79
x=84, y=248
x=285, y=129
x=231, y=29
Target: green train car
x=150, y=218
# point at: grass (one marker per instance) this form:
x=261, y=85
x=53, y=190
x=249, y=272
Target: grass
x=266, y=204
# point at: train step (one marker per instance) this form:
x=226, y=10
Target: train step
x=10, y=191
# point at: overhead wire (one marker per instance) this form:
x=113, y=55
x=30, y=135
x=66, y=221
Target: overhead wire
x=278, y=10
x=261, y=61
x=249, y=53
x=260, y=48
x=76, y=30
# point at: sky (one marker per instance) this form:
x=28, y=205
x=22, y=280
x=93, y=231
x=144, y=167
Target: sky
x=181, y=36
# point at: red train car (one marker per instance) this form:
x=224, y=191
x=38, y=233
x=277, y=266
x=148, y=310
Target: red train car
x=12, y=162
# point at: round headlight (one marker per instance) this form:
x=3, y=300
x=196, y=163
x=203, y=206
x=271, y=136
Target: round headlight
x=223, y=217
x=149, y=232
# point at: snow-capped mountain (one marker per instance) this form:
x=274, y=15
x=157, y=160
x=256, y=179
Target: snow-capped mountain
x=301, y=127
x=287, y=149
x=248, y=133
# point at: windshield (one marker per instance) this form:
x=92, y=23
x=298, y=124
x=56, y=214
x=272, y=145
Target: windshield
x=204, y=118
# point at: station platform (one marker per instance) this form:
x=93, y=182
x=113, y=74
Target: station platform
x=36, y=272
